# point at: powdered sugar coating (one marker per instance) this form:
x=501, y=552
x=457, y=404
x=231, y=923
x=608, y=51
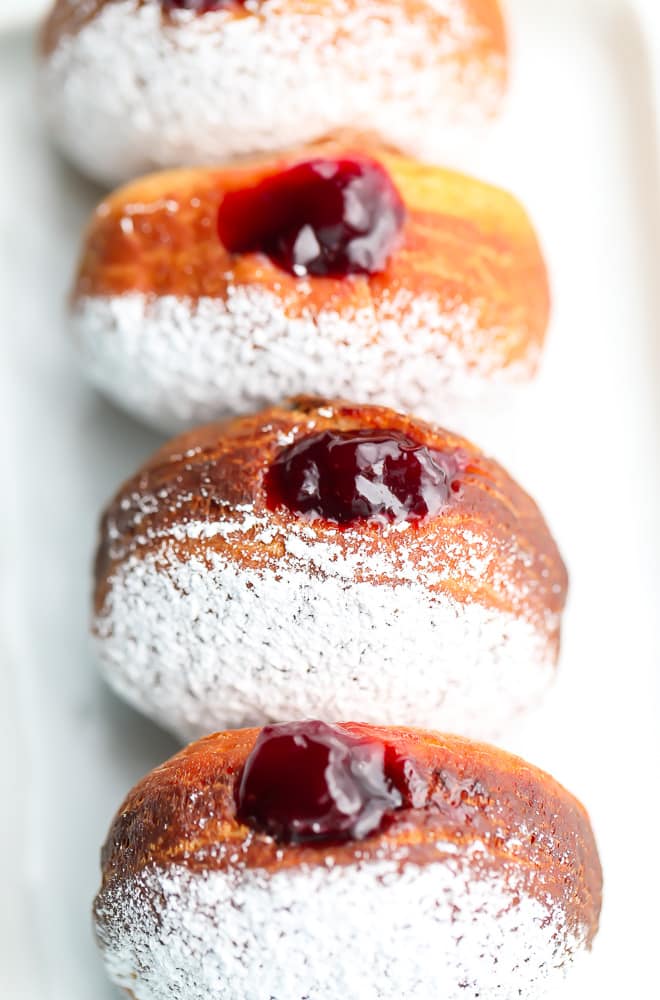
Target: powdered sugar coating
x=206, y=644
x=128, y=93
x=377, y=930
x=177, y=362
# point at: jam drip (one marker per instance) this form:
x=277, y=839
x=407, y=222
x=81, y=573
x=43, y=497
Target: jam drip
x=311, y=782
x=322, y=217
x=346, y=476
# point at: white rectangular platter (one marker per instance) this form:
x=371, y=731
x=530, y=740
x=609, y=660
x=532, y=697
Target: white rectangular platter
x=578, y=145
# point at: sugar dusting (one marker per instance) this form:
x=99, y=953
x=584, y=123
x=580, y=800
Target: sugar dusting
x=127, y=93
x=207, y=644
x=377, y=930
x=176, y=363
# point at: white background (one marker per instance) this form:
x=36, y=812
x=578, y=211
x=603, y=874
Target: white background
x=579, y=145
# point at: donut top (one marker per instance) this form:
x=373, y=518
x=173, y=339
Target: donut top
x=325, y=216
x=396, y=794
x=465, y=251
x=347, y=476
x=218, y=490
x=308, y=781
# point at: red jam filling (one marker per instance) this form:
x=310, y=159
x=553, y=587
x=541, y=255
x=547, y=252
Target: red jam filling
x=346, y=476
x=310, y=782
x=200, y=6
x=323, y=217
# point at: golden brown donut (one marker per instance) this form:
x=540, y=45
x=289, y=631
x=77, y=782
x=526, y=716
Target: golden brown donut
x=402, y=863
x=132, y=85
x=180, y=330
x=219, y=603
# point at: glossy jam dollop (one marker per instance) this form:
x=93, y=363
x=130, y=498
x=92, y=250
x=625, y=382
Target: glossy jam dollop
x=311, y=782
x=322, y=217
x=347, y=476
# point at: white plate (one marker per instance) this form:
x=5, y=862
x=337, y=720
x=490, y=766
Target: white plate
x=21, y=12
x=579, y=146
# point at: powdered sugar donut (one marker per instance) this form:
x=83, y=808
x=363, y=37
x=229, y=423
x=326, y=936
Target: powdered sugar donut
x=203, y=293
x=400, y=863
x=132, y=85
x=326, y=560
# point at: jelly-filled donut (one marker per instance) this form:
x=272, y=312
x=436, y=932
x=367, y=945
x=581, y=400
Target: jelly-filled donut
x=328, y=560
x=212, y=292
x=133, y=85
x=397, y=863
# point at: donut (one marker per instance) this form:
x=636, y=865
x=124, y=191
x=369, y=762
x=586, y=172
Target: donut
x=329, y=560
x=400, y=863
x=133, y=85
x=206, y=293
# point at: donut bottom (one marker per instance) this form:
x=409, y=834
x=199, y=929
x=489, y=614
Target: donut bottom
x=205, y=644
x=175, y=363
x=377, y=930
